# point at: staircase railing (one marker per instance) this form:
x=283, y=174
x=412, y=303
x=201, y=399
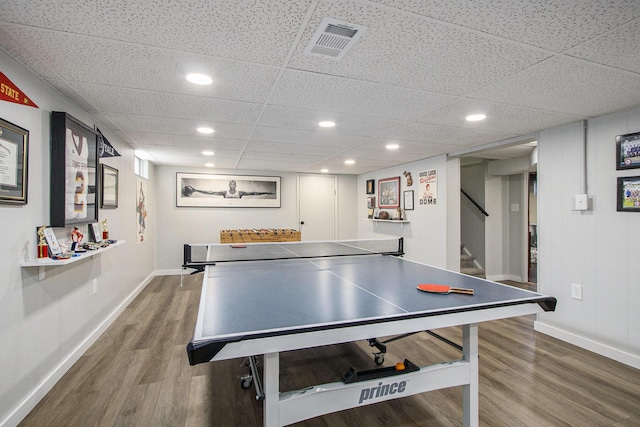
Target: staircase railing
x=474, y=202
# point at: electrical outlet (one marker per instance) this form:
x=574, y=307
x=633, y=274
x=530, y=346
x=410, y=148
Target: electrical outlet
x=576, y=291
x=94, y=287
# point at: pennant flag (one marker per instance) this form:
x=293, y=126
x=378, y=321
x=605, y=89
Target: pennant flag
x=10, y=92
x=104, y=146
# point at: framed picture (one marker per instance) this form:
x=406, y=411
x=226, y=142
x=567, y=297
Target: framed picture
x=389, y=193
x=628, y=151
x=74, y=162
x=628, y=194
x=370, y=213
x=371, y=186
x=52, y=241
x=109, y=194
x=408, y=200
x=96, y=232
x=371, y=202
x=14, y=150
x=227, y=191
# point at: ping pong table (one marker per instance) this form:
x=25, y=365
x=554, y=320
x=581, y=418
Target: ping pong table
x=268, y=298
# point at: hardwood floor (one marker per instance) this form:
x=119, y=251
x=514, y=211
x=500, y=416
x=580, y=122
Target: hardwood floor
x=137, y=374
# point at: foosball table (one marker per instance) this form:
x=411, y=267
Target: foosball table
x=254, y=235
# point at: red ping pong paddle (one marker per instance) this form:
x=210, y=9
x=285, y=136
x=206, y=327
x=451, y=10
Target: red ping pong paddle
x=443, y=289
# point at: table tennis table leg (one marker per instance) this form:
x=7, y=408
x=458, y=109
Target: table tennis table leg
x=271, y=389
x=470, y=406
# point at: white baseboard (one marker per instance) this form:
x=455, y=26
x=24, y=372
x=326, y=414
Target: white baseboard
x=605, y=350
x=32, y=399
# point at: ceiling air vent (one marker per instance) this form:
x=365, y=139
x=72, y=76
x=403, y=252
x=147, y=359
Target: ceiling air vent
x=333, y=39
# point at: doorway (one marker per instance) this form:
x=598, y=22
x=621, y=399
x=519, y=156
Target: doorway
x=317, y=207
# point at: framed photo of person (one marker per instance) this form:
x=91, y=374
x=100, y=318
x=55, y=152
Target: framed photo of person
x=74, y=166
x=371, y=186
x=222, y=191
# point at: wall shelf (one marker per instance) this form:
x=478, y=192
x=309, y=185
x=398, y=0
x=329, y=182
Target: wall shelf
x=42, y=263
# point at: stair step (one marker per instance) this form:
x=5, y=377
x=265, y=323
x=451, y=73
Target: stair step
x=465, y=257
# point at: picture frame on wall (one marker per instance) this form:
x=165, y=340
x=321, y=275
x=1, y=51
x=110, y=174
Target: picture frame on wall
x=109, y=194
x=628, y=151
x=628, y=194
x=223, y=191
x=371, y=186
x=371, y=202
x=389, y=193
x=74, y=167
x=14, y=163
x=408, y=200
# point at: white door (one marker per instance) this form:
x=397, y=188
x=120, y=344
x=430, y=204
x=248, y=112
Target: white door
x=317, y=207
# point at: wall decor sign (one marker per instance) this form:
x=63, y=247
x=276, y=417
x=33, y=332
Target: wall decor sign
x=14, y=162
x=211, y=191
x=428, y=188
x=389, y=193
x=74, y=161
x=109, y=194
x=141, y=208
x=628, y=151
x=628, y=195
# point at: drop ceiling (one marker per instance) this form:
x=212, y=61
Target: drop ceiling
x=411, y=78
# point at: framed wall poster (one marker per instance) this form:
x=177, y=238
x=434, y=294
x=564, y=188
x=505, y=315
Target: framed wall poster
x=389, y=193
x=141, y=208
x=14, y=161
x=628, y=151
x=74, y=162
x=109, y=194
x=371, y=202
x=408, y=200
x=371, y=186
x=213, y=191
x=628, y=195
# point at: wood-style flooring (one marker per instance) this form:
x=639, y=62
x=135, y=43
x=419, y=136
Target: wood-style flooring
x=137, y=374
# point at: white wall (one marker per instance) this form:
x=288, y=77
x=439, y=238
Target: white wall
x=177, y=226
x=45, y=325
x=597, y=249
x=425, y=236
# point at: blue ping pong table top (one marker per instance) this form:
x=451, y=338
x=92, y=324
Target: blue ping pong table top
x=268, y=298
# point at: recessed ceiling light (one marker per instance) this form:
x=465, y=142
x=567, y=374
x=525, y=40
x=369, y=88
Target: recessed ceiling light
x=199, y=79
x=349, y=162
x=324, y=170
x=205, y=130
x=326, y=124
x=209, y=165
x=392, y=146
x=207, y=153
x=476, y=117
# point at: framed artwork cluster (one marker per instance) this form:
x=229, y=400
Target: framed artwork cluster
x=628, y=187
